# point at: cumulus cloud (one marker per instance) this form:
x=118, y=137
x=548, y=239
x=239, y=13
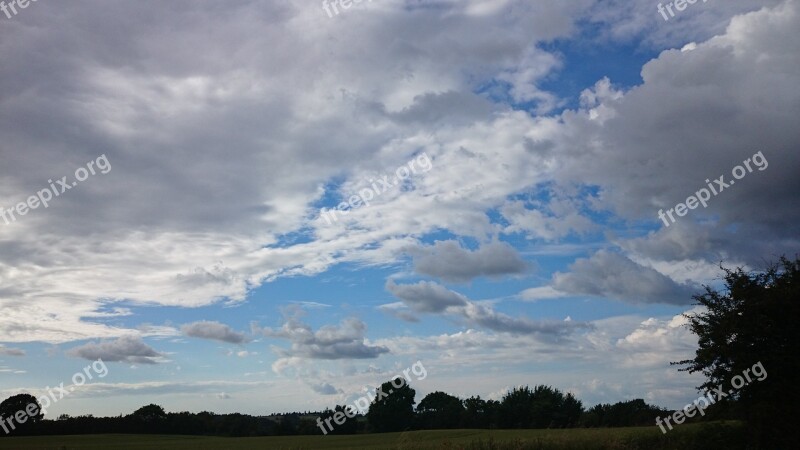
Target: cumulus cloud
x=611, y=275
x=128, y=349
x=214, y=331
x=431, y=297
x=426, y=296
x=345, y=341
x=449, y=261
x=548, y=221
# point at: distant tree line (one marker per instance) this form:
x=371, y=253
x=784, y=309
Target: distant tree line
x=523, y=407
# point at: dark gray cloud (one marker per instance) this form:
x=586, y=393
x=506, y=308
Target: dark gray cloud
x=128, y=349
x=706, y=122
x=214, y=331
x=611, y=275
x=449, y=261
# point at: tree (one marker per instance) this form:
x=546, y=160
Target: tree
x=542, y=407
x=753, y=322
x=348, y=414
x=479, y=413
x=629, y=413
x=392, y=409
x=19, y=413
x=439, y=410
x=148, y=419
x=569, y=412
x=150, y=413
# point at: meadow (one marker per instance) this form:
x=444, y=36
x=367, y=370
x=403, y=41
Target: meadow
x=691, y=436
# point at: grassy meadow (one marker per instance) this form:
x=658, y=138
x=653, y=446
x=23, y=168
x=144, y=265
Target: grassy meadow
x=691, y=436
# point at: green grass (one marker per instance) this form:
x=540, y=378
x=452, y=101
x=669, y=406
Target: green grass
x=705, y=436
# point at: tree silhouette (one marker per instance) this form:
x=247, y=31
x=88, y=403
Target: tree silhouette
x=20, y=413
x=150, y=413
x=393, y=408
x=754, y=321
x=540, y=407
x=348, y=416
x=480, y=413
x=439, y=410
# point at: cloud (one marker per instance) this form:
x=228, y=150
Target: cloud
x=214, y=331
x=128, y=349
x=431, y=297
x=541, y=293
x=213, y=215
x=238, y=210
x=325, y=389
x=345, y=341
x=611, y=275
x=556, y=219
x=9, y=351
x=399, y=310
x=449, y=261
x=426, y=296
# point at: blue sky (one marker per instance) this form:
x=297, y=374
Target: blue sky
x=524, y=246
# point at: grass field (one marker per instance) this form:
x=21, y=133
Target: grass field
x=722, y=436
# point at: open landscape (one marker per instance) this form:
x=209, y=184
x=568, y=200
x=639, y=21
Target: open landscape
x=722, y=436
x=399, y=224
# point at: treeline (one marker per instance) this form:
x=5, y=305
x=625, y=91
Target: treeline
x=539, y=407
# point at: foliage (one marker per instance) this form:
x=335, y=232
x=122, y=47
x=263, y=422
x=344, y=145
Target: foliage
x=439, y=411
x=754, y=321
x=14, y=407
x=540, y=407
x=392, y=409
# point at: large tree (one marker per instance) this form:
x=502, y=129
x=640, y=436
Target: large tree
x=392, y=409
x=19, y=413
x=439, y=410
x=540, y=407
x=749, y=333
x=480, y=413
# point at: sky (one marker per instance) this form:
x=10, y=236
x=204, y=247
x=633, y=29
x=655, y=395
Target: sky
x=261, y=206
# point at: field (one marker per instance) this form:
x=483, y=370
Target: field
x=722, y=436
